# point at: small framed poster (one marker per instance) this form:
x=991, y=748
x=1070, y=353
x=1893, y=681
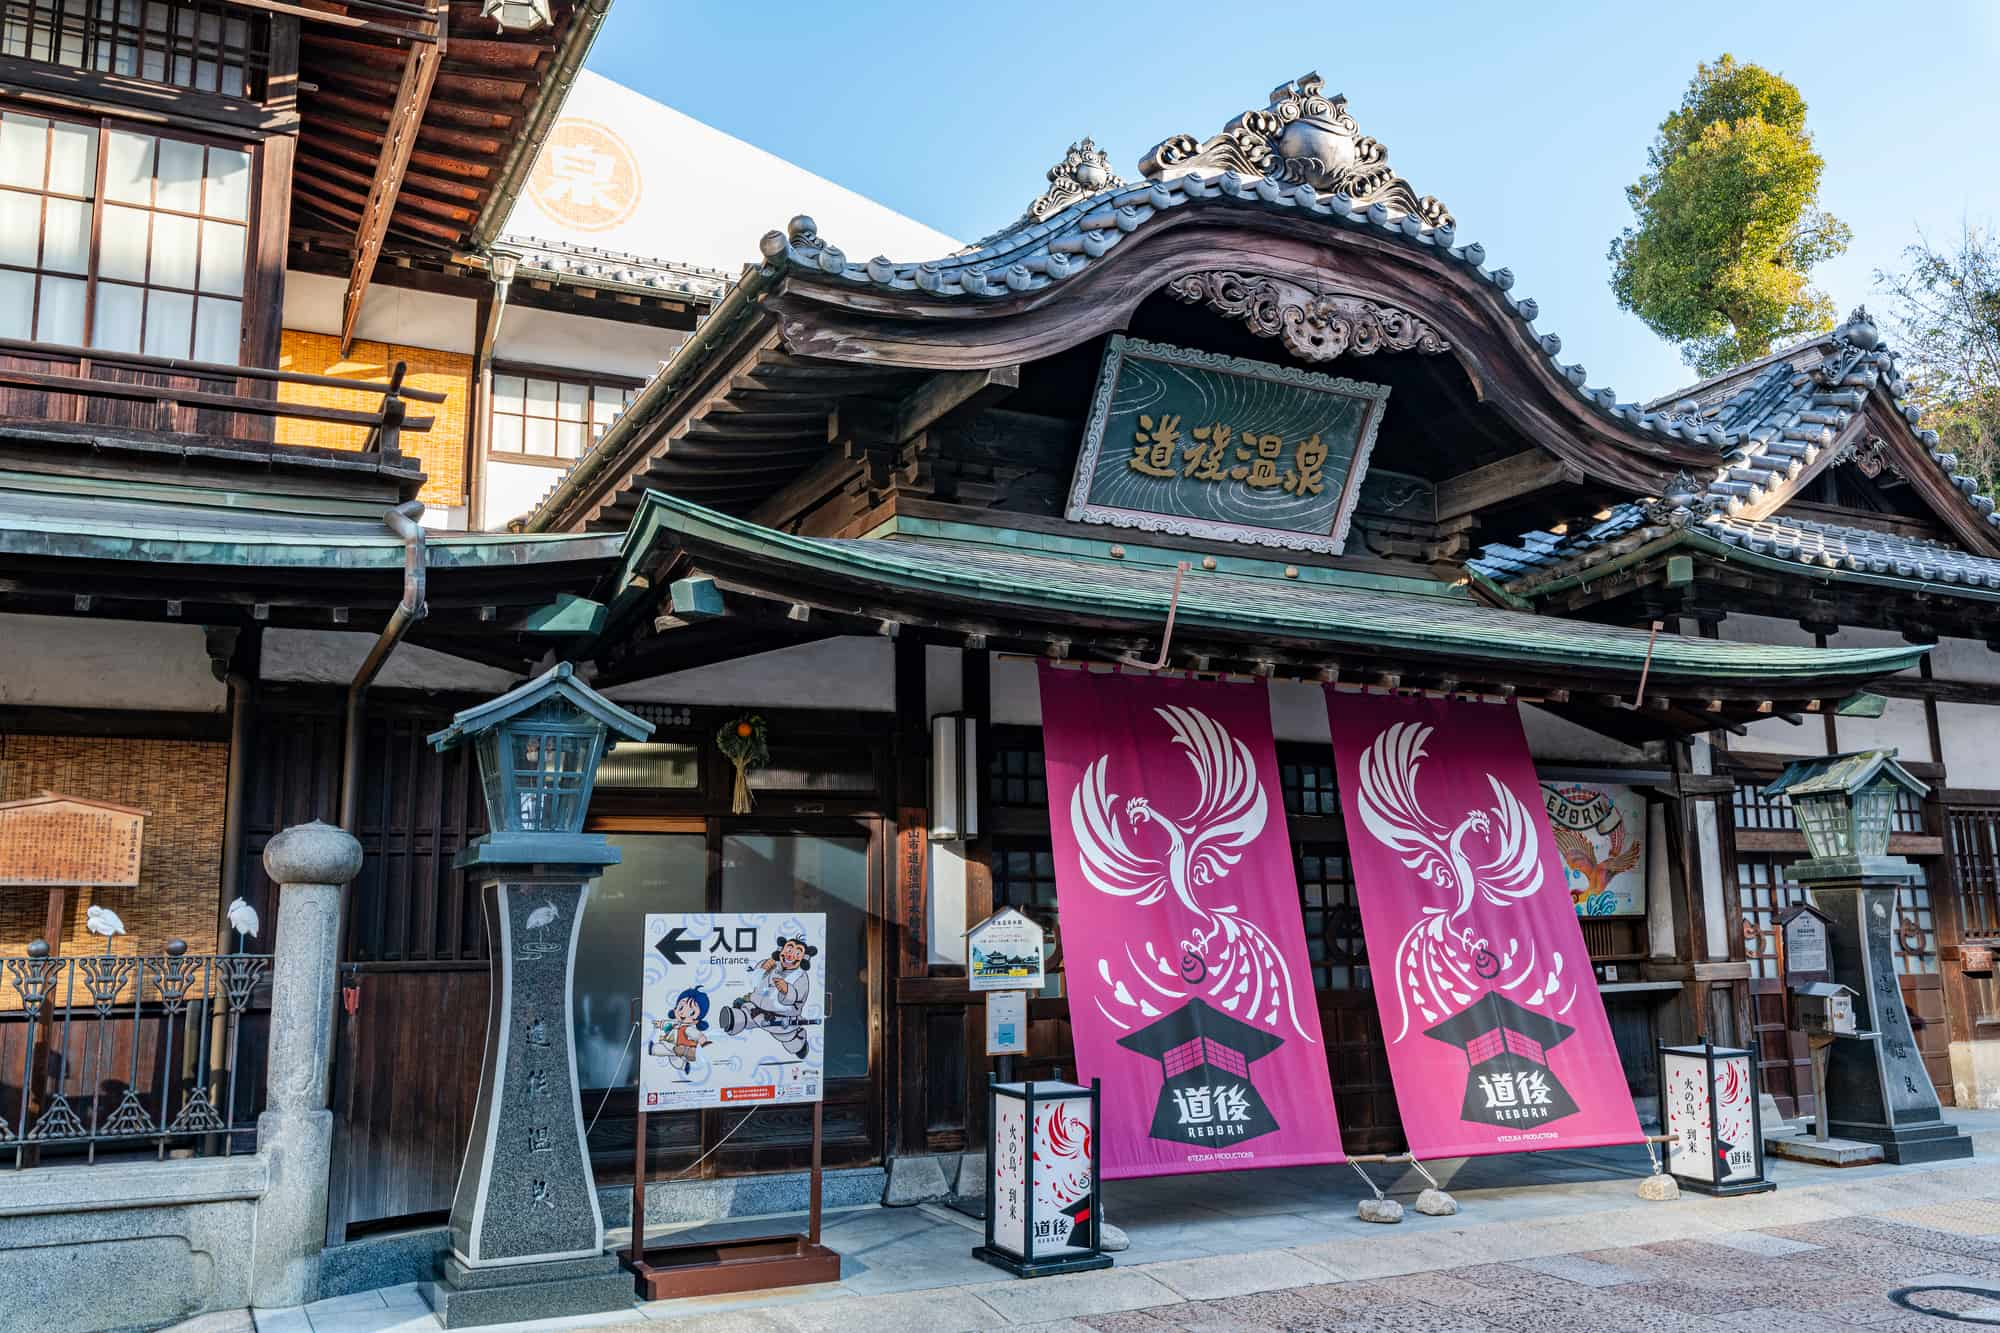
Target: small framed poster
x=1007, y=1022
x=1004, y=952
x=1600, y=829
x=734, y=1009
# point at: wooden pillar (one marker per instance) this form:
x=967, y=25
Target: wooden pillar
x=903, y=1085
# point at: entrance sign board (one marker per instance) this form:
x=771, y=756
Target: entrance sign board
x=1498, y=1039
x=50, y=840
x=734, y=1007
x=1190, y=988
x=1807, y=956
x=1600, y=832
x=1204, y=445
x=1004, y=952
x=1711, y=1099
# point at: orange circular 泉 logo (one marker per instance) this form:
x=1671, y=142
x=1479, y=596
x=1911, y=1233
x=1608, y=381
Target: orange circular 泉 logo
x=585, y=177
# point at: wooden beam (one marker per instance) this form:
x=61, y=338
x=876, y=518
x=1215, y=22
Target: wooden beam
x=950, y=393
x=1508, y=479
x=406, y=116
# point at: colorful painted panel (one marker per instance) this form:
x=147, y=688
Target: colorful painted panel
x=1600, y=830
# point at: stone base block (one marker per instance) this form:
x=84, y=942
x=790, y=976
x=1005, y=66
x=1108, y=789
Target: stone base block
x=1659, y=1189
x=1826, y=1152
x=1773, y=1121
x=914, y=1180
x=1435, y=1203
x=465, y=1297
x=971, y=1182
x=1910, y=1145
x=1112, y=1240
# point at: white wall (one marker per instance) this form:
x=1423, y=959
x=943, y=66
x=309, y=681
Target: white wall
x=577, y=342
x=64, y=662
x=1901, y=727
x=1774, y=735
x=704, y=197
x=1971, y=736
x=512, y=489
x=388, y=314
x=1966, y=660
x=331, y=657
x=848, y=673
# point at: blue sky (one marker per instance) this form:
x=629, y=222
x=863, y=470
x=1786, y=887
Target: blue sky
x=1527, y=120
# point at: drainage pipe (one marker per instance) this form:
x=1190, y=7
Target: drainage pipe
x=402, y=520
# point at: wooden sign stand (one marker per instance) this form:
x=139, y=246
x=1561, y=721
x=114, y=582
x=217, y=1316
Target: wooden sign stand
x=715, y=1268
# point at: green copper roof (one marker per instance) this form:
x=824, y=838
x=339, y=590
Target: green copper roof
x=1071, y=588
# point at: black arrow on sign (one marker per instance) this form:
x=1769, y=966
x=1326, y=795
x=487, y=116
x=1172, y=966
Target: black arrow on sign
x=675, y=945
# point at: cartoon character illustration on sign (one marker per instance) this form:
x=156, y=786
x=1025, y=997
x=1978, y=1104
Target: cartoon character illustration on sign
x=1442, y=966
x=777, y=1003
x=680, y=1039
x=1190, y=855
x=1507, y=1080
x=1208, y=1096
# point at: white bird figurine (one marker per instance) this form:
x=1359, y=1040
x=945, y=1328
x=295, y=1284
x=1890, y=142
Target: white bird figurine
x=103, y=921
x=244, y=918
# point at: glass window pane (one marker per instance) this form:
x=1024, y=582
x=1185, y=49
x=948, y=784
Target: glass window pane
x=65, y=236
x=24, y=148
x=506, y=434
x=121, y=249
x=174, y=240
x=218, y=331
x=115, y=322
x=507, y=391
x=541, y=398
x=222, y=258
x=180, y=175
x=569, y=439
x=541, y=437
x=657, y=872
x=795, y=873
x=20, y=227
x=61, y=316
x=72, y=158
x=572, y=400
x=128, y=166
x=169, y=323
x=17, y=303
x=228, y=184
x=672, y=764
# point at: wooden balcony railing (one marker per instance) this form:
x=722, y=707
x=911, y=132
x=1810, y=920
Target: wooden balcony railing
x=44, y=382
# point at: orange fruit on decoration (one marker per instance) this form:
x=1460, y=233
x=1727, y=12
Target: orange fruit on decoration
x=743, y=728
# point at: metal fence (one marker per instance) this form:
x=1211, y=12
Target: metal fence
x=125, y=1050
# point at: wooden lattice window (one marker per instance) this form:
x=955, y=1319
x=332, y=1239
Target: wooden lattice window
x=125, y=241
x=1016, y=774
x=1754, y=810
x=1334, y=940
x=208, y=46
x=1763, y=892
x=1975, y=854
x=542, y=418
x=1024, y=877
x=1309, y=789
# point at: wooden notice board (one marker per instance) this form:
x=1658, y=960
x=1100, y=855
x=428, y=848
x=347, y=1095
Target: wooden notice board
x=52, y=841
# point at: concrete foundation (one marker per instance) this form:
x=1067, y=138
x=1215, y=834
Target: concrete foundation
x=1826, y=1152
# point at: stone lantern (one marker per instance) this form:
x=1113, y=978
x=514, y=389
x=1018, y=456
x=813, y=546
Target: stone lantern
x=527, y=1238
x=1877, y=1089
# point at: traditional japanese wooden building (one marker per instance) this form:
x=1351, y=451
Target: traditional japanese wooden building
x=861, y=500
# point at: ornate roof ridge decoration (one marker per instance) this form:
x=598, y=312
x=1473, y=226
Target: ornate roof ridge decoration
x=1085, y=170
x=1314, y=326
x=1303, y=138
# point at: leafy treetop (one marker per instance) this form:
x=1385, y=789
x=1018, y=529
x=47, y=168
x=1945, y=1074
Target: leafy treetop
x=1947, y=324
x=1727, y=222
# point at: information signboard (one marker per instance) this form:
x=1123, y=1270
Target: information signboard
x=734, y=1009
x=1004, y=952
x=51, y=841
x=1007, y=1022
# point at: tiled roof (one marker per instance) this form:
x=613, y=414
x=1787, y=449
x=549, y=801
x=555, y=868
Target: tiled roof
x=1857, y=550
x=615, y=270
x=1021, y=582
x=1784, y=416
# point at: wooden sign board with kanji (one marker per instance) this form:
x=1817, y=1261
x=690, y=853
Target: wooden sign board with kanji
x=52, y=841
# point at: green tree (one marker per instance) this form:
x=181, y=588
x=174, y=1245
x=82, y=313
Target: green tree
x=1946, y=325
x=1728, y=222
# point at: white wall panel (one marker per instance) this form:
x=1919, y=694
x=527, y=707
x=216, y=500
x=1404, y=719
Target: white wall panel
x=1901, y=726
x=1971, y=736
x=65, y=662
x=847, y=673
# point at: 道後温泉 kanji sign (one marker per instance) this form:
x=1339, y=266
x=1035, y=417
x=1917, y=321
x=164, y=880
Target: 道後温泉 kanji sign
x=1497, y=1038
x=1190, y=989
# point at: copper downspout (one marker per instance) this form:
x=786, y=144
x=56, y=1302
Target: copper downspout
x=402, y=520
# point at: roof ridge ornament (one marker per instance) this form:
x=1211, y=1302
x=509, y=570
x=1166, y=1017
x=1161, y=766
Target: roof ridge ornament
x=1303, y=138
x=1682, y=503
x=1084, y=171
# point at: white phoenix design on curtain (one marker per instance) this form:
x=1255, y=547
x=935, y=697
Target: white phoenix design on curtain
x=1242, y=965
x=1441, y=965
